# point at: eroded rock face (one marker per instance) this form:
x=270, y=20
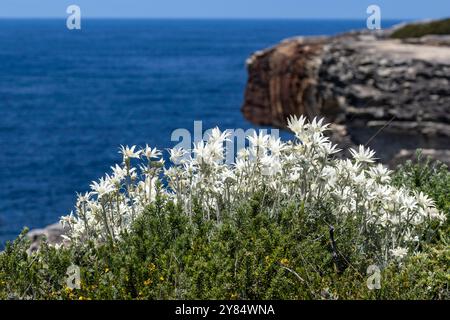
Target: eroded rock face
x=279, y=86
x=384, y=93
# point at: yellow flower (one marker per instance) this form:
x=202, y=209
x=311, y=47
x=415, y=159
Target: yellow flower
x=152, y=267
x=106, y=270
x=161, y=278
x=147, y=282
x=68, y=290
x=284, y=262
x=234, y=296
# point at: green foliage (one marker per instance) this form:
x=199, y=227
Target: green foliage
x=251, y=254
x=440, y=27
x=24, y=276
x=427, y=176
x=430, y=177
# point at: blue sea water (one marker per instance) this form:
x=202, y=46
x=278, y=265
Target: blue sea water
x=68, y=99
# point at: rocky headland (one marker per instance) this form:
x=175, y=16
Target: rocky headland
x=390, y=94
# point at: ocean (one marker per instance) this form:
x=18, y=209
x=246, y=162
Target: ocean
x=69, y=99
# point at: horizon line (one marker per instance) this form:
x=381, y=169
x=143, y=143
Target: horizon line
x=204, y=18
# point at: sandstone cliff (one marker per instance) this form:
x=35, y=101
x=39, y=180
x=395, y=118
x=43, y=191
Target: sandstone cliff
x=389, y=94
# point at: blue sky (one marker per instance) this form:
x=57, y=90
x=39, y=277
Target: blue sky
x=342, y=9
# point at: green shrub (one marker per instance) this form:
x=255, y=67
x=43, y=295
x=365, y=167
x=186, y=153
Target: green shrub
x=440, y=27
x=430, y=177
x=249, y=255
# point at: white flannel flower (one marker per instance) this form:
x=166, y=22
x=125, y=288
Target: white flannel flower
x=399, y=253
x=301, y=171
x=270, y=165
x=150, y=153
x=177, y=155
x=119, y=172
x=102, y=188
x=297, y=125
x=258, y=140
x=363, y=154
x=317, y=126
x=380, y=173
x=129, y=153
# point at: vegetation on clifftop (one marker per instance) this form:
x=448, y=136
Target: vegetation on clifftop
x=440, y=27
